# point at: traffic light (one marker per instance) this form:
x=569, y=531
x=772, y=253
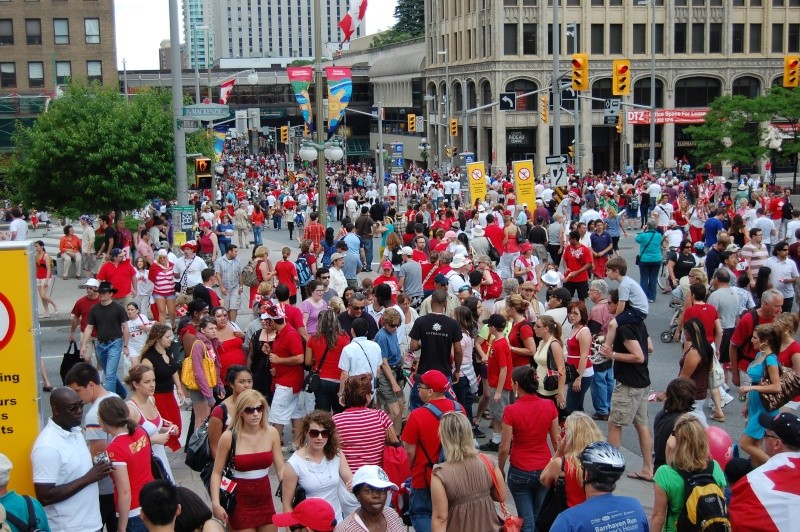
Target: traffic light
x=621, y=80
x=412, y=123
x=619, y=125
x=791, y=76
x=580, y=72
x=202, y=173
x=543, y=108
x=284, y=134
x=453, y=127
x=571, y=151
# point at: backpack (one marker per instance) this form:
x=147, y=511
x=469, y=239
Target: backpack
x=705, y=508
x=436, y=411
x=397, y=258
x=33, y=522
x=494, y=290
x=303, y=271
x=249, y=275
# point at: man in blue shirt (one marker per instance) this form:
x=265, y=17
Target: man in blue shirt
x=713, y=226
x=603, y=464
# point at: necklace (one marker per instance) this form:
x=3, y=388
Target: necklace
x=319, y=469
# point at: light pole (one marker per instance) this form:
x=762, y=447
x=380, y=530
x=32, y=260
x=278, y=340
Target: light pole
x=179, y=153
x=446, y=97
x=651, y=163
x=556, y=84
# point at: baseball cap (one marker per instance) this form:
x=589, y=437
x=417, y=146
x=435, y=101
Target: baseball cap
x=163, y=253
x=435, y=380
x=386, y=265
x=440, y=279
x=450, y=234
x=497, y=321
x=314, y=513
x=785, y=425
x=91, y=283
x=406, y=251
x=527, y=246
x=115, y=252
x=337, y=256
x=373, y=476
x=733, y=248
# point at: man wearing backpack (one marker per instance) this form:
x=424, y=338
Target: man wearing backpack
x=766, y=499
x=422, y=444
x=22, y=512
x=741, y=350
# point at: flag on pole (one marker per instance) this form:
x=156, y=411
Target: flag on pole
x=768, y=498
x=225, y=91
x=350, y=22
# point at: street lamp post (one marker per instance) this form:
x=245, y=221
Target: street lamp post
x=179, y=151
x=446, y=97
x=651, y=163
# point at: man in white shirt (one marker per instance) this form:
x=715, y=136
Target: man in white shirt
x=792, y=226
x=457, y=276
x=18, y=229
x=663, y=213
x=64, y=479
x=590, y=214
x=767, y=227
x=188, y=269
x=360, y=356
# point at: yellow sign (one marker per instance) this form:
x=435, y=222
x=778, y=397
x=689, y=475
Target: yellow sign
x=19, y=377
x=476, y=176
x=178, y=238
x=525, y=181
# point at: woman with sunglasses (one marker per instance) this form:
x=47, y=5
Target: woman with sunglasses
x=679, y=264
x=319, y=465
x=256, y=448
x=231, y=339
x=240, y=380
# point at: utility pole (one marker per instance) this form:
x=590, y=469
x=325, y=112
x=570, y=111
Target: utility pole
x=556, y=81
x=177, y=106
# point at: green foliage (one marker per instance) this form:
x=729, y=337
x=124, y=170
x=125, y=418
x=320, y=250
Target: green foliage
x=301, y=62
x=94, y=152
x=410, y=15
x=783, y=105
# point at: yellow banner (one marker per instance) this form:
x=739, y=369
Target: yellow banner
x=19, y=376
x=476, y=176
x=525, y=181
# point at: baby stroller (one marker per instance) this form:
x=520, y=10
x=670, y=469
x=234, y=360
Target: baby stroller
x=669, y=334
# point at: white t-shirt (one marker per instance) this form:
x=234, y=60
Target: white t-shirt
x=791, y=228
x=319, y=480
x=19, y=226
x=664, y=213
x=361, y=356
x=767, y=226
x=392, y=189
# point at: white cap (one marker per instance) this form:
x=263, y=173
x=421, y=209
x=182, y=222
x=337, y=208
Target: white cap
x=406, y=251
x=91, y=283
x=458, y=262
x=373, y=476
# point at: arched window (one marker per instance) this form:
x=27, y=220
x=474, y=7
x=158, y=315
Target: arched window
x=746, y=86
x=697, y=91
x=522, y=86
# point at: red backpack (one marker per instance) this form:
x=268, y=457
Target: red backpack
x=494, y=290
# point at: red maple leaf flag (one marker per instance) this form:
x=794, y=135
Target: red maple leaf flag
x=768, y=498
x=225, y=91
x=352, y=20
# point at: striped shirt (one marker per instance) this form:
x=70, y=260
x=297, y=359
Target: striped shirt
x=362, y=432
x=163, y=279
x=755, y=257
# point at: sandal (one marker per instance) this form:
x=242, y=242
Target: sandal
x=720, y=419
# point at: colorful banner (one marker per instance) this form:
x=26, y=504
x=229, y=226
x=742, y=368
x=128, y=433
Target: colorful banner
x=20, y=384
x=669, y=116
x=300, y=79
x=340, y=89
x=525, y=181
x=476, y=176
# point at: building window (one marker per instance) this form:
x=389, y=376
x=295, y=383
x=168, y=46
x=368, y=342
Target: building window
x=777, y=3
x=777, y=38
x=794, y=38
x=738, y=3
x=573, y=2
x=33, y=30
x=755, y=38
x=94, y=71
x=598, y=3
x=680, y=38
x=63, y=72
x=8, y=76
x=746, y=86
x=550, y=39
x=614, y=3
x=510, y=39
x=36, y=74
x=510, y=3
x=639, y=39
x=92, y=28
x=6, y=31
x=737, y=38
x=698, y=38
x=529, y=3
x=61, y=31
x=696, y=92
x=573, y=38
x=715, y=38
x=529, y=39
x=659, y=38
x=598, y=39
x=614, y=39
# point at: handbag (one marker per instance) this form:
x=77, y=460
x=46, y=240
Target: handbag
x=249, y=275
x=299, y=493
x=599, y=362
x=311, y=382
x=550, y=383
x=639, y=257
x=511, y=523
x=555, y=502
x=187, y=370
x=157, y=468
x=198, y=453
x=227, y=487
x=790, y=388
x=716, y=375
x=395, y=462
x=71, y=357
x=494, y=254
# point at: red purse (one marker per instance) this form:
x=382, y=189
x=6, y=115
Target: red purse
x=511, y=523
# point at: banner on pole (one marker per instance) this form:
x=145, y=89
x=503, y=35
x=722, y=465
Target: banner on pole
x=300, y=79
x=476, y=177
x=525, y=181
x=340, y=89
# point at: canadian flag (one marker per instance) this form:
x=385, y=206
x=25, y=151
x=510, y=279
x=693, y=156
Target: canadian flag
x=349, y=24
x=225, y=91
x=768, y=498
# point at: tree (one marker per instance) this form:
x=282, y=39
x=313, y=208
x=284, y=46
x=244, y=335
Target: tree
x=783, y=106
x=410, y=15
x=93, y=151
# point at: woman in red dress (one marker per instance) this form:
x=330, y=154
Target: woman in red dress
x=157, y=354
x=231, y=337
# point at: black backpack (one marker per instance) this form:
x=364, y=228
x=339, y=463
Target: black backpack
x=33, y=522
x=705, y=508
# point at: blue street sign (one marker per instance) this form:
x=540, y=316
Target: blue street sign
x=398, y=148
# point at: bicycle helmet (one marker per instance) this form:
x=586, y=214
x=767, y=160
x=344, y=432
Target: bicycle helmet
x=603, y=458
x=699, y=246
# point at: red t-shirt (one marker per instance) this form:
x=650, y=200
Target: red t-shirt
x=81, y=310
x=499, y=357
x=705, y=313
x=428, y=277
x=575, y=258
x=329, y=370
x=294, y=316
x=419, y=256
x=392, y=282
x=776, y=207
x=288, y=343
x=785, y=358
x=530, y=418
x=119, y=275
x=132, y=452
x=742, y=335
x=422, y=430
x=495, y=236
x=520, y=331
x=286, y=272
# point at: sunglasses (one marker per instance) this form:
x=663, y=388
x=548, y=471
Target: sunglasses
x=325, y=277
x=315, y=433
x=250, y=410
x=357, y=308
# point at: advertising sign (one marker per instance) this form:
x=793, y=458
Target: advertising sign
x=668, y=116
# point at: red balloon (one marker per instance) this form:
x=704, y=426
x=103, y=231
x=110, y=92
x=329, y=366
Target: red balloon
x=720, y=445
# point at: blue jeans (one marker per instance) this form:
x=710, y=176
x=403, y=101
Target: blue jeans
x=420, y=508
x=648, y=278
x=575, y=399
x=277, y=222
x=331, y=212
x=602, y=386
x=366, y=243
x=327, y=397
x=110, y=354
x=464, y=395
x=257, y=235
x=135, y=524
x=528, y=495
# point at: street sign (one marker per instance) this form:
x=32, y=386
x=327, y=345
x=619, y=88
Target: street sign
x=568, y=94
x=558, y=175
x=397, y=148
x=469, y=157
x=211, y=111
x=419, y=126
x=551, y=160
x=185, y=215
x=290, y=166
x=610, y=120
x=508, y=101
x=611, y=107
x=188, y=125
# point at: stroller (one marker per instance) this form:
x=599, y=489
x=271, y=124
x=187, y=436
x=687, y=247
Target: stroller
x=669, y=334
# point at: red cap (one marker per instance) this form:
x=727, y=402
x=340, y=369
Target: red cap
x=314, y=513
x=435, y=380
x=527, y=246
x=386, y=265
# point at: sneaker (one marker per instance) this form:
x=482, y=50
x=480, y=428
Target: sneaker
x=490, y=446
x=726, y=388
x=477, y=432
x=726, y=399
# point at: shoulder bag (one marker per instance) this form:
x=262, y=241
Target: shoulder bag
x=511, y=523
x=157, y=468
x=187, y=370
x=555, y=501
x=311, y=382
x=71, y=357
x=638, y=256
x=299, y=493
x=790, y=388
x=227, y=487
